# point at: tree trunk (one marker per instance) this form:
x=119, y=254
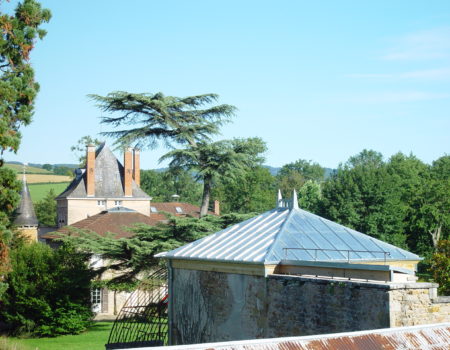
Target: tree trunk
x=436, y=235
x=206, y=194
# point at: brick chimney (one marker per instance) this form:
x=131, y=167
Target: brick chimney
x=216, y=207
x=128, y=171
x=90, y=170
x=136, y=167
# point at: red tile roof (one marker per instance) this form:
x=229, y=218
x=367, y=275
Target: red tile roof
x=114, y=222
x=187, y=209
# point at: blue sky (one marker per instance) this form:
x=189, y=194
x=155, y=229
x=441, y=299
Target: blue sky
x=317, y=80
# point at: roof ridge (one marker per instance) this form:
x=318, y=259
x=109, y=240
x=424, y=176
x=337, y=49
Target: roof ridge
x=286, y=221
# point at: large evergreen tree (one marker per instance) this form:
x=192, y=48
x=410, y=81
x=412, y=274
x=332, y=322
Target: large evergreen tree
x=227, y=158
x=156, y=117
x=181, y=122
x=18, y=89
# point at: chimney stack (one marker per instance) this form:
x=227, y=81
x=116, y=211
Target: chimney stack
x=128, y=172
x=216, y=207
x=136, y=167
x=90, y=170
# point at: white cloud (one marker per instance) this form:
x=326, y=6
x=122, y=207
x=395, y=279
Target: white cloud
x=424, y=45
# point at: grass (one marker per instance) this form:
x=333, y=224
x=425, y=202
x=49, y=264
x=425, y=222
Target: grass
x=94, y=338
x=44, y=178
x=39, y=190
x=18, y=168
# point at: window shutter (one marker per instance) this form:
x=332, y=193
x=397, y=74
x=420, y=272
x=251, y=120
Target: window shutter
x=105, y=300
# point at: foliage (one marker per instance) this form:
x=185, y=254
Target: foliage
x=310, y=196
x=62, y=170
x=46, y=210
x=227, y=158
x=17, y=86
x=161, y=185
x=48, y=167
x=440, y=266
x=362, y=196
x=48, y=292
x=9, y=197
x=182, y=121
x=79, y=149
x=136, y=255
x=254, y=191
x=174, y=120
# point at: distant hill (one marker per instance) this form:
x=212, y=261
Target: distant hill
x=18, y=168
x=38, y=165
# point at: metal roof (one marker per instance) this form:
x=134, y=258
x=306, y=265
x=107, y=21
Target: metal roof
x=424, y=337
x=25, y=215
x=289, y=233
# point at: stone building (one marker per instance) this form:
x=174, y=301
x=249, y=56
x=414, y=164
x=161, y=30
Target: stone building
x=104, y=183
x=288, y=272
x=26, y=220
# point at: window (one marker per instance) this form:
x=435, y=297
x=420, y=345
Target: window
x=96, y=296
x=153, y=210
x=101, y=202
x=117, y=202
x=179, y=210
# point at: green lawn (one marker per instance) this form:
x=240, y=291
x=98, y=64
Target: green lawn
x=94, y=338
x=39, y=191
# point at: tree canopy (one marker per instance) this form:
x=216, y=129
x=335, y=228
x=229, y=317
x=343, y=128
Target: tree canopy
x=156, y=117
x=18, y=88
x=227, y=158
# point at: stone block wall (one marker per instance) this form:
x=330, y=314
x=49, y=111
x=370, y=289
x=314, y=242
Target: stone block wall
x=302, y=306
x=215, y=306
x=416, y=304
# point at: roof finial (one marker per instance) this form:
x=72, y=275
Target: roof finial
x=279, y=199
x=294, y=200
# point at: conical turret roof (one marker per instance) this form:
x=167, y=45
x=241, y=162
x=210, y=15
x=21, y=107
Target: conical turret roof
x=289, y=233
x=25, y=215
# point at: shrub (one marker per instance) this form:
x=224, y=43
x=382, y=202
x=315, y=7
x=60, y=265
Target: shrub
x=48, y=291
x=440, y=266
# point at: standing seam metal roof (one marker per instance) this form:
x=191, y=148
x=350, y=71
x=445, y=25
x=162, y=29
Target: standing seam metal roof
x=308, y=237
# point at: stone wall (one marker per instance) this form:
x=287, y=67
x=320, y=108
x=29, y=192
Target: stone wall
x=215, y=306
x=416, y=304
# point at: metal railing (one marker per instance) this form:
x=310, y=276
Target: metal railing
x=348, y=251
x=143, y=321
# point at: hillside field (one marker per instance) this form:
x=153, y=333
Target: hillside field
x=18, y=168
x=43, y=178
x=39, y=190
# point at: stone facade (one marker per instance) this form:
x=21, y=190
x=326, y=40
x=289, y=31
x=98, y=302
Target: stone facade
x=75, y=209
x=215, y=306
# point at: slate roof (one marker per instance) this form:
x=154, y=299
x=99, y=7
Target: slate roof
x=109, y=179
x=171, y=207
x=307, y=237
x=113, y=220
x=25, y=215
